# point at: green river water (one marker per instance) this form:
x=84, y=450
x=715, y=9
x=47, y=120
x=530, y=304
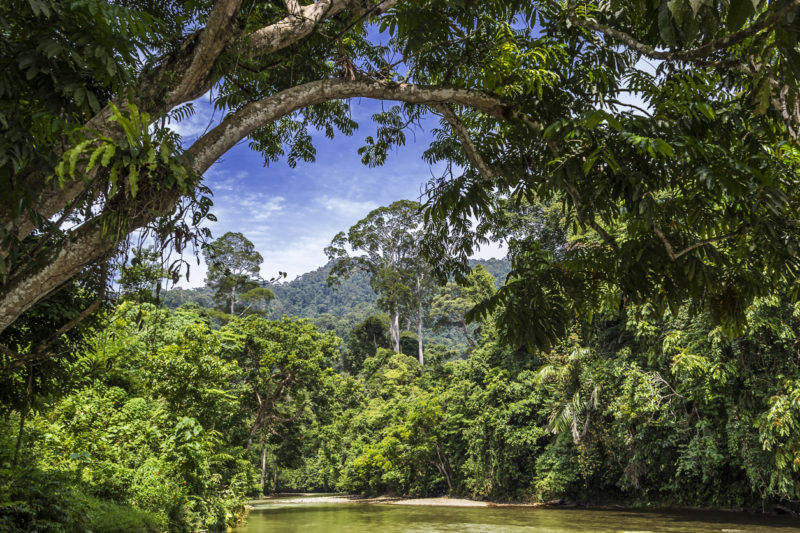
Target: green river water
x=370, y=518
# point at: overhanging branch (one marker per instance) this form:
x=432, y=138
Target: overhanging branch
x=39, y=351
x=466, y=141
x=766, y=21
x=212, y=40
x=88, y=242
x=256, y=115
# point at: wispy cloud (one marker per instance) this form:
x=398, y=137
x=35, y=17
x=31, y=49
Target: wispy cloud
x=344, y=207
x=224, y=180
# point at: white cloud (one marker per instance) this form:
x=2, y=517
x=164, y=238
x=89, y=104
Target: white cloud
x=493, y=250
x=237, y=208
x=296, y=258
x=222, y=180
x=345, y=208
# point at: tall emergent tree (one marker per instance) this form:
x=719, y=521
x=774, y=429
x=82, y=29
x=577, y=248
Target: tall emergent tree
x=693, y=193
x=233, y=267
x=390, y=238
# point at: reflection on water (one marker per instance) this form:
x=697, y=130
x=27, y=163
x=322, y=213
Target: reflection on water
x=363, y=518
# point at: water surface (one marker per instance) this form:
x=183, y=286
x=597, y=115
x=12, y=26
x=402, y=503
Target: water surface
x=370, y=518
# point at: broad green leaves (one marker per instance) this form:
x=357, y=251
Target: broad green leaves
x=667, y=170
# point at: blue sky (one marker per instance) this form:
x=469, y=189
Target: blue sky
x=291, y=214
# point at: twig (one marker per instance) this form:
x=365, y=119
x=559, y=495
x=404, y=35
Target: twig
x=674, y=256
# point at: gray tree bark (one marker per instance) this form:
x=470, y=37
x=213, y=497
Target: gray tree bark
x=394, y=330
x=263, y=467
x=419, y=319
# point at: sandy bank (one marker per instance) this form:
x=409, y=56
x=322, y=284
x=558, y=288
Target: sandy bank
x=383, y=500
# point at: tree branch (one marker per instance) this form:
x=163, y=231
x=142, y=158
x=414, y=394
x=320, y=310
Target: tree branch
x=293, y=7
x=675, y=256
x=159, y=90
x=83, y=246
x=255, y=115
x=466, y=141
x=213, y=39
x=155, y=90
x=8, y=352
x=81, y=316
x=576, y=200
x=765, y=21
x=88, y=242
x=302, y=23
x=38, y=352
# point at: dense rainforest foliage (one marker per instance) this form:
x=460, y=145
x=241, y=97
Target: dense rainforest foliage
x=165, y=420
x=639, y=158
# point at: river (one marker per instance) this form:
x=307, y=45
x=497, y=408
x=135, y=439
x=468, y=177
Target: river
x=307, y=517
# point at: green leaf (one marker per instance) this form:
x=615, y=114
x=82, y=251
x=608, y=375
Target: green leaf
x=93, y=158
x=706, y=109
x=108, y=154
x=39, y=8
x=665, y=26
x=590, y=161
x=613, y=122
x=696, y=5
x=594, y=118
x=133, y=180
x=93, y=103
x=164, y=152
x=663, y=148
x=74, y=154
x=738, y=13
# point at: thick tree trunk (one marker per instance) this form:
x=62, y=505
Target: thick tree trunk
x=263, y=467
x=394, y=330
x=50, y=271
x=419, y=320
x=88, y=242
x=233, y=299
x=183, y=76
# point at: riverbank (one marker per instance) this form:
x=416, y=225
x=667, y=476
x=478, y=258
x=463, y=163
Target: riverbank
x=444, y=501
x=383, y=500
